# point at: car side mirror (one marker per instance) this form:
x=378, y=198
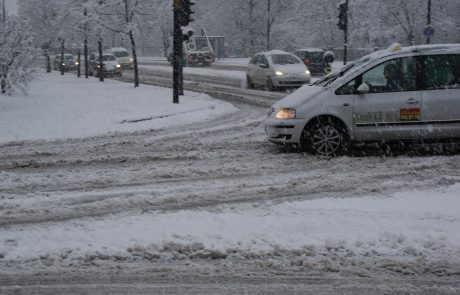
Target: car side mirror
x=263, y=65
x=363, y=89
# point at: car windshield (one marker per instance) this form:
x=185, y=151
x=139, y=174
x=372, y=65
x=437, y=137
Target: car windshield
x=316, y=57
x=282, y=59
x=108, y=58
x=68, y=57
x=333, y=76
x=121, y=53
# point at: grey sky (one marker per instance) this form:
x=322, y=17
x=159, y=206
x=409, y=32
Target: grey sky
x=11, y=6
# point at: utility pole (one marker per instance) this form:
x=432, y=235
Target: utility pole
x=268, y=23
x=343, y=25
x=428, y=19
x=4, y=12
x=85, y=49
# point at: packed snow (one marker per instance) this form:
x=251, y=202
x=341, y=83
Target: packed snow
x=401, y=228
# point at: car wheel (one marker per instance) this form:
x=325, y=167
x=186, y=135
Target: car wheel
x=325, y=137
x=249, y=82
x=270, y=85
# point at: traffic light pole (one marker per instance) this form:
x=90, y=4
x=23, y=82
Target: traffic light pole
x=177, y=51
x=345, y=39
x=182, y=12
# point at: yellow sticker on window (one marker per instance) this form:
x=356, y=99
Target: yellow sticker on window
x=412, y=114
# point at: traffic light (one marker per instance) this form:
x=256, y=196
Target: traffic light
x=342, y=24
x=187, y=32
x=186, y=12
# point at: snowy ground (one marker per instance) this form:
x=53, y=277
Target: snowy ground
x=201, y=192
x=65, y=107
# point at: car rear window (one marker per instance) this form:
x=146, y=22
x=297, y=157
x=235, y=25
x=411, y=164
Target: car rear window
x=108, y=57
x=121, y=53
x=282, y=59
x=316, y=57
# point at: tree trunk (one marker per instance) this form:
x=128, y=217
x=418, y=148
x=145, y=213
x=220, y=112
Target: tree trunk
x=133, y=47
x=78, y=64
x=48, y=62
x=86, y=58
x=100, y=69
x=61, y=66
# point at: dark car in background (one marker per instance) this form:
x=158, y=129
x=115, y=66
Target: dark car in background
x=313, y=58
x=69, y=63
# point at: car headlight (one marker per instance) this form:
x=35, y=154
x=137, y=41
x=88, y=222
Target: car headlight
x=63, y=64
x=131, y=59
x=76, y=63
x=279, y=73
x=118, y=66
x=285, y=113
x=307, y=72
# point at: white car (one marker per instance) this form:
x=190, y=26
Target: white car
x=276, y=69
x=123, y=57
x=410, y=93
x=111, y=67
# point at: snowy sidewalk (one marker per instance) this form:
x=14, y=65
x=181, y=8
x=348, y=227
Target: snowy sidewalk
x=67, y=107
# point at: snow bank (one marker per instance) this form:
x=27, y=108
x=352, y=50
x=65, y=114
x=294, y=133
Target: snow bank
x=411, y=232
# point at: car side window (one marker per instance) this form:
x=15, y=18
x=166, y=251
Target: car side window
x=394, y=75
x=442, y=71
x=255, y=60
x=349, y=88
x=263, y=60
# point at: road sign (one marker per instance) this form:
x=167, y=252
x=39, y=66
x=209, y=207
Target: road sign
x=428, y=31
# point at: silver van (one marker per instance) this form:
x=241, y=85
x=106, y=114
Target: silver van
x=410, y=93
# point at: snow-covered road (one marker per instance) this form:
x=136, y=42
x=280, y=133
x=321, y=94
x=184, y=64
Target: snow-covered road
x=213, y=208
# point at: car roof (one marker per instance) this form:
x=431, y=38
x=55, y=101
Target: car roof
x=310, y=50
x=396, y=50
x=272, y=52
x=118, y=49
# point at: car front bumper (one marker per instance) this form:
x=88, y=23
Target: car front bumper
x=284, y=131
x=290, y=81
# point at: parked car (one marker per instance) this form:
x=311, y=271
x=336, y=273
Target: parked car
x=69, y=63
x=313, y=58
x=123, y=57
x=276, y=69
x=410, y=93
x=111, y=67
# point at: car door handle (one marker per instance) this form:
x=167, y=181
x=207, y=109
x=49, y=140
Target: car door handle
x=412, y=101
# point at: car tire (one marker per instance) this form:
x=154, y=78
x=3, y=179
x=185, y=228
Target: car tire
x=249, y=83
x=270, y=85
x=326, y=137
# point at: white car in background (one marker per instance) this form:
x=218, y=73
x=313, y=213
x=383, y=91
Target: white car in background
x=111, y=67
x=123, y=57
x=276, y=69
